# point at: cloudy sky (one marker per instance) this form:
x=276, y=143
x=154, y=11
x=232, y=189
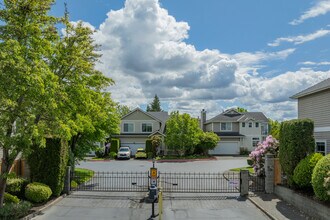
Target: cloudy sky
x=209, y=54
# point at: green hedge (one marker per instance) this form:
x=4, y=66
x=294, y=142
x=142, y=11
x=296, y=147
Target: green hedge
x=296, y=141
x=115, y=144
x=11, y=199
x=320, y=173
x=148, y=146
x=16, y=186
x=15, y=211
x=302, y=174
x=37, y=192
x=48, y=165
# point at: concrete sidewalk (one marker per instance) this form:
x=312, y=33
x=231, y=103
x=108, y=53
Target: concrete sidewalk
x=276, y=208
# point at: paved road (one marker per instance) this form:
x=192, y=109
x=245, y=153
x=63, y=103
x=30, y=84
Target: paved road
x=92, y=205
x=222, y=164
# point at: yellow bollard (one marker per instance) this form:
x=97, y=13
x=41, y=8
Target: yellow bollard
x=160, y=201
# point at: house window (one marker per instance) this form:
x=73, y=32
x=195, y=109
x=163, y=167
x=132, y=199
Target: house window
x=250, y=124
x=243, y=124
x=255, y=142
x=257, y=124
x=128, y=127
x=225, y=126
x=146, y=127
x=320, y=147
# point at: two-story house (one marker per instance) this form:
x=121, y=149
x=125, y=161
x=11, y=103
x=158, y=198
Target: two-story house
x=314, y=103
x=236, y=130
x=138, y=126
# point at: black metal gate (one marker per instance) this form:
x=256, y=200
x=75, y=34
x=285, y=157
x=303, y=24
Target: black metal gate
x=171, y=182
x=200, y=182
x=256, y=183
x=111, y=181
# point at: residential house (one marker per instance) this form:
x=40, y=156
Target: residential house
x=236, y=130
x=314, y=103
x=138, y=126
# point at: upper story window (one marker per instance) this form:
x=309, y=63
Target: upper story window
x=320, y=147
x=243, y=124
x=146, y=127
x=128, y=127
x=257, y=124
x=250, y=124
x=225, y=126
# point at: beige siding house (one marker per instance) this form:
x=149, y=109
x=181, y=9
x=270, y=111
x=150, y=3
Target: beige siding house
x=314, y=103
x=138, y=126
x=236, y=130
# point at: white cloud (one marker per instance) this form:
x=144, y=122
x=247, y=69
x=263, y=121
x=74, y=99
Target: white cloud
x=300, y=39
x=322, y=7
x=311, y=63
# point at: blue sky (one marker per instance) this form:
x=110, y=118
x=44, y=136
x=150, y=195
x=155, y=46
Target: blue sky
x=209, y=54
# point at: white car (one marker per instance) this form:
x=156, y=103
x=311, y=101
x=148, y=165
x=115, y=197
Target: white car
x=124, y=153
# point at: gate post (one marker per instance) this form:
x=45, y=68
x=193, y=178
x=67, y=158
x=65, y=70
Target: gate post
x=67, y=181
x=269, y=172
x=244, y=182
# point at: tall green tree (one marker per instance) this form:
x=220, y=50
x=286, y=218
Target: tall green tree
x=154, y=106
x=208, y=141
x=122, y=110
x=239, y=109
x=182, y=133
x=27, y=84
x=274, y=128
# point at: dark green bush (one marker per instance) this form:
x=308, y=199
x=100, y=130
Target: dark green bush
x=302, y=174
x=113, y=155
x=320, y=173
x=244, y=151
x=11, y=199
x=149, y=155
x=249, y=161
x=296, y=142
x=148, y=146
x=37, y=192
x=16, y=186
x=48, y=165
x=99, y=152
x=74, y=184
x=15, y=211
x=115, y=144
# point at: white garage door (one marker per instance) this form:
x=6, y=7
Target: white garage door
x=223, y=148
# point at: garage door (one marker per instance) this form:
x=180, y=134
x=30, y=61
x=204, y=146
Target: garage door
x=223, y=148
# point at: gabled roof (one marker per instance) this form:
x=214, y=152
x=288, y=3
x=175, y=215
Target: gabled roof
x=230, y=116
x=140, y=110
x=325, y=84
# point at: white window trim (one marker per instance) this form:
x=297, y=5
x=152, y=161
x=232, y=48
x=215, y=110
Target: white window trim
x=231, y=126
x=146, y=123
x=255, y=124
x=255, y=140
x=325, y=145
x=128, y=123
x=251, y=124
x=244, y=125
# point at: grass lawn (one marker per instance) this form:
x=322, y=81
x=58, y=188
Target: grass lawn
x=82, y=175
x=183, y=157
x=249, y=168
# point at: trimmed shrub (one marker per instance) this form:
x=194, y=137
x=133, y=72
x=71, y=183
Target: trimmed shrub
x=74, y=184
x=296, y=142
x=113, y=155
x=249, y=161
x=149, y=155
x=320, y=173
x=99, y=152
x=243, y=151
x=148, y=146
x=115, y=144
x=327, y=183
x=302, y=174
x=15, y=211
x=48, y=165
x=37, y=192
x=16, y=186
x=11, y=199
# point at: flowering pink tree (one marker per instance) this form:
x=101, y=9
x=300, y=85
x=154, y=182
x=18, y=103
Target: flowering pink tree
x=270, y=145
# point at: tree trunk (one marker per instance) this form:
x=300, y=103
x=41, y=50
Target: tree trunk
x=5, y=167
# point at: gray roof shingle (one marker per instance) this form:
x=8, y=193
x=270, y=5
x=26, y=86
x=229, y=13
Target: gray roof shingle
x=325, y=84
x=244, y=116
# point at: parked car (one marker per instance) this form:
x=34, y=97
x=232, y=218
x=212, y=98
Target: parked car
x=124, y=153
x=140, y=153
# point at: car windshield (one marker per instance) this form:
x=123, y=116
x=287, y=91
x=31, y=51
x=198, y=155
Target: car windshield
x=123, y=149
x=142, y=151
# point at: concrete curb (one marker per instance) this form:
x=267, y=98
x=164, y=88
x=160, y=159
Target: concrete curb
x=262, y=209
x=46, y=206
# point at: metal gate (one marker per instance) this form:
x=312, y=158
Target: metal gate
x=111, y=181
x=256, y=183
x=171, y=182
